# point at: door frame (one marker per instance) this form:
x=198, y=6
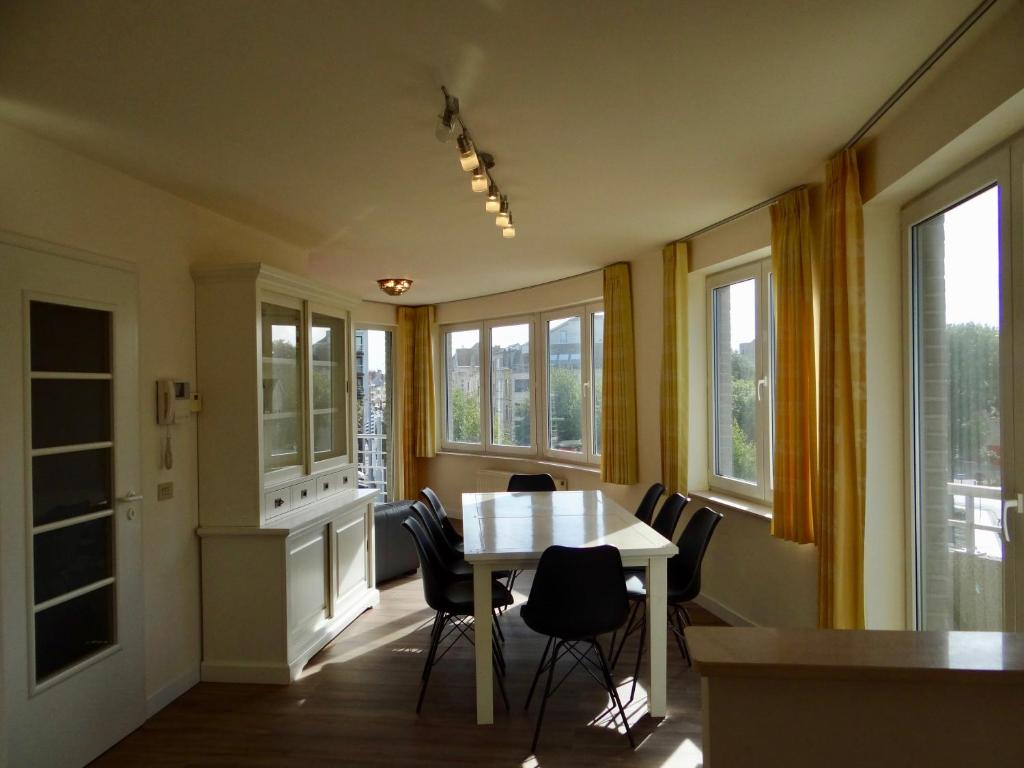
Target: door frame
x=991, y=168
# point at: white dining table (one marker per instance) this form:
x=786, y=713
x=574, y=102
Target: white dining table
x=512, y=530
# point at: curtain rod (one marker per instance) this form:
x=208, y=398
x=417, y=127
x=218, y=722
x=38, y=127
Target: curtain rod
x=918, y=73
x=898, y=94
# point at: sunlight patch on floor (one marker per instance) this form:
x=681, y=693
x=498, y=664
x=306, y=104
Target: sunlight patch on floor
x=687, y=755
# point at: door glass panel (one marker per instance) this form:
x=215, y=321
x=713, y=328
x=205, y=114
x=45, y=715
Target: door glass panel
x=565, y=384
x=597, y=375
x=70, y=412
x=329, y=396
x=735, y=375
x=281, y=332
x=510, y=385
x=67, y=485
x=958, y=478
x=373, y=408
x=69, y=558
x=74, y=630
x=69, y=338
x=70, y=405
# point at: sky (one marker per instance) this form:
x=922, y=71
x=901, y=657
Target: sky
x=972, y=260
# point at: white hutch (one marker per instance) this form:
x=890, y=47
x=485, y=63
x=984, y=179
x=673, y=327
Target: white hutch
x=286, y=535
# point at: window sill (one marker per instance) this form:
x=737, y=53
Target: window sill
x=519, y=458
x=732, y=503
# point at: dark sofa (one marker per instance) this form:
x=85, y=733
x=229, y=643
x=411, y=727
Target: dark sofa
x=395, y=553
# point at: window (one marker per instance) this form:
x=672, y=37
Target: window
x=740, y=380
x=373, y=408
x=330, y=400
x=563, y=421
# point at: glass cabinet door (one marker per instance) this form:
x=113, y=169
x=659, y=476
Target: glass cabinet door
x=330, y=393
x=281, y=333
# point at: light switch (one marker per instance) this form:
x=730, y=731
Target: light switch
x=164, y=491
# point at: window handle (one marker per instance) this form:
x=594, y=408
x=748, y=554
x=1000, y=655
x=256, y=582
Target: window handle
x=763, y=382
x=1017, y=504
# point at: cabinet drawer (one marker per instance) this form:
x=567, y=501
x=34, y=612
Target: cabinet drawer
x=328, y=484
x=347, y=479
x=277, y=502
x=303, y=493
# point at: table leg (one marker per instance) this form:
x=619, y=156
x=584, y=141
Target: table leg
x=482, y=643
x=657, y=611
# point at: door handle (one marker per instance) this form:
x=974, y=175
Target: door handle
x=1018, y=504
x=129, y=497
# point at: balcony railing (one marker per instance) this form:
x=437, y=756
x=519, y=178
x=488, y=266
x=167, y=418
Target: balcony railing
x=373, y=458
x=974, y=509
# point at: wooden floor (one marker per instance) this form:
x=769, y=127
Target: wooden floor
x=355, y=705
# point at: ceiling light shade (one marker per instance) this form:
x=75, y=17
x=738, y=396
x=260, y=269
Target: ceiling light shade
x=480, y=181
x=504, y=214
x=510, y=230
x=493, y=204
x=394, y=286
x=467, y=153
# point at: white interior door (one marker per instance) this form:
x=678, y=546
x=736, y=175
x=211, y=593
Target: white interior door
x=70, y=517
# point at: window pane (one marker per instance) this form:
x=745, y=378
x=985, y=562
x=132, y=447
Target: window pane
x=957, y=408
x=329, y=396
x=597, y=375
x=373, y=408
x=71, y=631
x=282, y=427
x=69, y=338
x=510, y=385
x=462, y=353
x=735, y=385
x=565, y=385
x=70, y=412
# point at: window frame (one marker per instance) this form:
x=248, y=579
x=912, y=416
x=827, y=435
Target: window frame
x=392, y=359
x=539, y=404
x=764, y=379
x=446, y=443
x=276, y=475
x=487, y=435
x=585, y=312
x=346, y=364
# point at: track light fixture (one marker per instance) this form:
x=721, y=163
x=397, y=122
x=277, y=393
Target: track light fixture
x=474, y=161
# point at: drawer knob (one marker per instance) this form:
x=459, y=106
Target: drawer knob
x=303, y=493
x=278, y=502
x=326, y=486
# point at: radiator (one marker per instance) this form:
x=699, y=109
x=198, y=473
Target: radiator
x=496, y=480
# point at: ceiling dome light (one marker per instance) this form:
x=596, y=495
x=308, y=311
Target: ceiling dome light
x=394, y=286
x=504, y=214
x=480, y=181
x=510, y=230
x=467, y=153
x=493, y=204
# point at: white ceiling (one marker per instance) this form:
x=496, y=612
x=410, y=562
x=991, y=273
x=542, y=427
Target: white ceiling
x=616, y=126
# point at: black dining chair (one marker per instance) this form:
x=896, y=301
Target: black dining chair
x=683, y=586
x=577, y=595
x=452, y=600
x=435, y=506
x=645, y=511
x=531, y=483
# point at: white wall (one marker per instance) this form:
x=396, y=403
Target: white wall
x=54, y=195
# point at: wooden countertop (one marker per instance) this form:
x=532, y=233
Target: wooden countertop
x=843, y=654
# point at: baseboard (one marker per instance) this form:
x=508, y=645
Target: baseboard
x=726, y=614
x=245, y=672
x=170, y=692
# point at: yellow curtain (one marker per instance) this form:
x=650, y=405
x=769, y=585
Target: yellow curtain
x=796, y=408
x=675, y=369
x=415, y=430
x=843, y=410
x=618, y=388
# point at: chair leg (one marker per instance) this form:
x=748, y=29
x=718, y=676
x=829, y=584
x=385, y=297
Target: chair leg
x=677, y=632
x=639, y=657
x=614, y=693
x=681, y=636
x=626, y=633
x=540, y=668
x=500, y=677
x=547, y=692
x=439, y=624
x=497, y=626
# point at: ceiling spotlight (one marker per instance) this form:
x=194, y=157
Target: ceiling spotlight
x=467, y=153
x=480, y=181
x=394, y=286
x=510, y=230
x=504, y=214
x=446, y=120
x=493, y=204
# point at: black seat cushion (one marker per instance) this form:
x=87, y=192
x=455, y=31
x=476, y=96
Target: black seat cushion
x=459, y=597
